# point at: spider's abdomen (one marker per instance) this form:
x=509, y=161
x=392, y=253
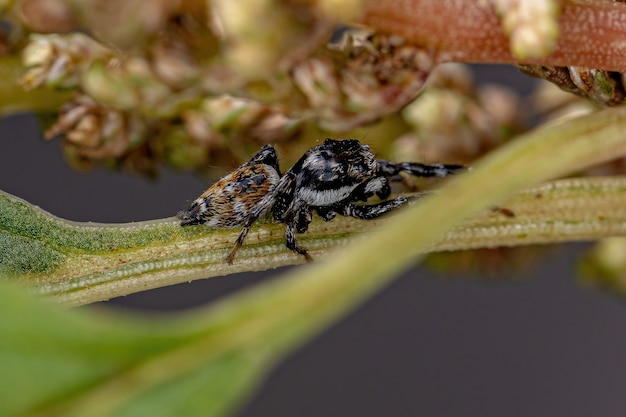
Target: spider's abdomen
x=229, y=201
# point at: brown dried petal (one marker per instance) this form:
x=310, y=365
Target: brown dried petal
x=86, y=132
x=58, y=60
x=70, y=115
x=174, y=64
x=317, y=80
x=97, y=132
x=377, y=76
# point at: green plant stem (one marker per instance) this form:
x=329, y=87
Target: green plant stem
x=565, y=210
x=91, y=263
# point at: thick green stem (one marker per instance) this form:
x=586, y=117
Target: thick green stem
x=85, y=263
x=159, y=253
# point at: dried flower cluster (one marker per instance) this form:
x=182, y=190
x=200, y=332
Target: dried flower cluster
x=186, y=83
x=456, y=120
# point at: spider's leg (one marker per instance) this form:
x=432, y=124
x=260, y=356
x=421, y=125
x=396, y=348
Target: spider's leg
x=376, y=185
x=371, y=211
x=238, y=243
x=384, y=192
x=290, y=236
x=244, y=232
x=418, y=170
x=368, y=212
x=326, y=213
x=262, y=208
x=305, y=217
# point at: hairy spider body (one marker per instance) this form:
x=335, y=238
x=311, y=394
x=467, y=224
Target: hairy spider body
x=328, y=179
x=228, y=202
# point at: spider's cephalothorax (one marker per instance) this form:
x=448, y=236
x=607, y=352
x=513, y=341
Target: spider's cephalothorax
x=328, y=179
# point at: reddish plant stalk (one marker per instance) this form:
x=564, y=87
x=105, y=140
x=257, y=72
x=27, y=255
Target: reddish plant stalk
x=592, y=32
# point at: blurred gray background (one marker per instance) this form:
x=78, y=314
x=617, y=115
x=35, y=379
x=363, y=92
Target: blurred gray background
x=534, y=343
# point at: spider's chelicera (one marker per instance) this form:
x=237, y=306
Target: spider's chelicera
x=328, y=179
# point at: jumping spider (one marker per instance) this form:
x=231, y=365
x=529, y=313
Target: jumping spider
x=328, y=178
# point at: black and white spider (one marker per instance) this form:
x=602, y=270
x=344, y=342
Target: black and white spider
x=328, y=179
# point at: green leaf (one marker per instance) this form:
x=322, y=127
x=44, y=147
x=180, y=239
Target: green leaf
x=56, y=362
x=47, y=353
